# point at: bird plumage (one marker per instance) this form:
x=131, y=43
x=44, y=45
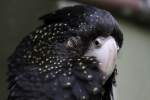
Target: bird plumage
x=49, y=63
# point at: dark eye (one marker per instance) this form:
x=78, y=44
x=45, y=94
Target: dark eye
x=97, y=43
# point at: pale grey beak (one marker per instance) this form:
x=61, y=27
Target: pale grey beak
x=105, y=51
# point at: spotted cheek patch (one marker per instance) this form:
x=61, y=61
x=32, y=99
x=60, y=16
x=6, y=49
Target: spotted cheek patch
x=79, y=78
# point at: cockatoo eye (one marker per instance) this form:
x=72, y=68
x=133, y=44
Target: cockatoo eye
x=98, y=42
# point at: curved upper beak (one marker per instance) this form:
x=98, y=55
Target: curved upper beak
x=106, y=55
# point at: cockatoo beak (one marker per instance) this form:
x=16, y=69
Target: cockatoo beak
x=105, y=53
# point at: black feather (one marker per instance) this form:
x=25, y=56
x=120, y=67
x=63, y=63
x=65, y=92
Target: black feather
x=44, y=67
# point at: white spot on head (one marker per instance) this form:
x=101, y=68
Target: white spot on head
x=68, y=83
x=40, y=31
x=95, y=89
x=83, y=67
x=80, y=63
x=90, y=76
x=85, y=72
x=46, y=66
x=39, y=69
x=68, y=14
x=47, y=76
x=83, y=97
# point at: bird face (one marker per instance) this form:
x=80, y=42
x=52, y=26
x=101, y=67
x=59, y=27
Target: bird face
x=104, y=49
x=69, y=57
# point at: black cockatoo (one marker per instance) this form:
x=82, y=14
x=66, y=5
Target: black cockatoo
x=70, y=57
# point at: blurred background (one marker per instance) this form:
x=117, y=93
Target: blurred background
x=19, y=17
